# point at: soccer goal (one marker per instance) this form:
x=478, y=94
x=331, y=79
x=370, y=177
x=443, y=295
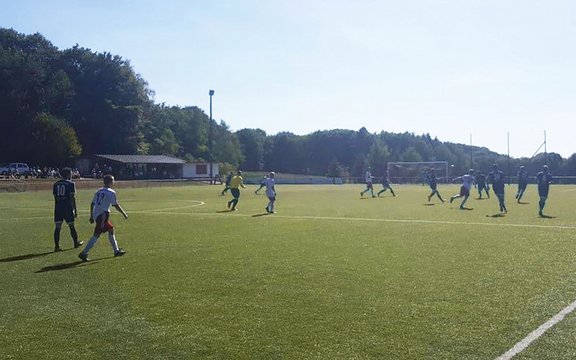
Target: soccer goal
x=414, y=172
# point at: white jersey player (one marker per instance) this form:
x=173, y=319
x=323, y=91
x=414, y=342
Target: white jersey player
x=467, y=183
x=270, y=193
x=103, y=199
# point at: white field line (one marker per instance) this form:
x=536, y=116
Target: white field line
x=168, y=211
x=198, y=203
x=155, y=211
x=534, y=335
x=333, y=218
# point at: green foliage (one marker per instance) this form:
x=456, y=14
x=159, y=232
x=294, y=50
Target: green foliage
x=252, y=144
x=53, y=140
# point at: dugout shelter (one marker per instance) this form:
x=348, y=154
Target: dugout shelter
x=132, y=167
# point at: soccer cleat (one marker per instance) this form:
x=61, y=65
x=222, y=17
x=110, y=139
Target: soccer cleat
x=57, y=249
x=229, y=205
x=451, y=199
x=361, y=194
x=83, y=257
x=77, y=244
x=120, y=252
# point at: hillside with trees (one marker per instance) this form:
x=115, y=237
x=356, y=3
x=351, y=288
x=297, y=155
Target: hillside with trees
x=57, y=105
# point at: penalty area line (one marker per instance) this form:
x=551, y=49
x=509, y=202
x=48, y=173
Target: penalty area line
x=536, y=334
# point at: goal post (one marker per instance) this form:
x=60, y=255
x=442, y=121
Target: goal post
x=414, y=172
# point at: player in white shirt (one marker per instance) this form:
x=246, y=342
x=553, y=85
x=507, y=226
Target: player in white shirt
x=103, y=199
x=467, y=183
x=271, y=193
x=369, y=186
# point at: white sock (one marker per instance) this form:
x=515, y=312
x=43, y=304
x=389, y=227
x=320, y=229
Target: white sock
x=113, y=243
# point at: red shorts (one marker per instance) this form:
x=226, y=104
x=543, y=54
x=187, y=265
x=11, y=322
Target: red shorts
x=103, y=223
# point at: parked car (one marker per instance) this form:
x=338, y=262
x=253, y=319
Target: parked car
x=15, y=168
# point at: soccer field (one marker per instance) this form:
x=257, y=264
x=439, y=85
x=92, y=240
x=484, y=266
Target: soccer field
x=330, y=276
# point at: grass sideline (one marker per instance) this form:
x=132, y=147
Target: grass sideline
x=330, y=276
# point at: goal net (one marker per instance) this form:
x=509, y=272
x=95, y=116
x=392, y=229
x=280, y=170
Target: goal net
x=414, y=172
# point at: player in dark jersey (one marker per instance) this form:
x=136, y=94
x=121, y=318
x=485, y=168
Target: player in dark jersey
x=522, y=182
x=386, y=185
x=497, y=179
x=481, y=184
x=543, y=178
x=433, y=183
x=227, y=184
x=64, y=191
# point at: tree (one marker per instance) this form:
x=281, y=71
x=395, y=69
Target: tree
x=252, y=144
x=410, y=154
x=52, y=141
x=378, y=156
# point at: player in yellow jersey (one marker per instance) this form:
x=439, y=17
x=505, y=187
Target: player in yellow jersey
x=235, y=184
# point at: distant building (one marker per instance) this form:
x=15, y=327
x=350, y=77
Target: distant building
x=200, y=170
x=136, y=167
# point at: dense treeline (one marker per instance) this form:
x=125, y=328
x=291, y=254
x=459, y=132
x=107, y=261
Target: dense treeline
x=348, y=153
x=57, y=105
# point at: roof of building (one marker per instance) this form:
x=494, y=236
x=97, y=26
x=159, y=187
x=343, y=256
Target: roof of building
x=142, y=159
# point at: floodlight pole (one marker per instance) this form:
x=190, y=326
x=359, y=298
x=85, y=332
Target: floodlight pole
x=508, y=143
x=210, y=137
x=545, y=149
x=471, y=154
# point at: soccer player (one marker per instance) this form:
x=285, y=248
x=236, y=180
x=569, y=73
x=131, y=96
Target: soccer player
x=433, y=183
x=522, y=182
x=100, y=214
x=386, y=184
x=235, y=184
x=481, y=184
x=262, y=184
x=496, y=178
x=64, y=192
x=369, y=187
x=467, y=183
x=543, y=178
x=270, y=192
x=227, y=184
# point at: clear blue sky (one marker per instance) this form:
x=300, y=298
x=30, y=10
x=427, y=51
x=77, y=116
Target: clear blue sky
x=455, y=69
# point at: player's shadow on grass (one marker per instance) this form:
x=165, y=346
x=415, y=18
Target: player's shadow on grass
x=547, y=217
x=429, y=204
x=65, y=266
x=499, y=215
x=24, y=257
x=482, y=198
x=466, y=208
x=523, y=203
x=262, y=214
x=225, y=211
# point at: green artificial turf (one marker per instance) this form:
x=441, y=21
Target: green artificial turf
x=330, y=276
